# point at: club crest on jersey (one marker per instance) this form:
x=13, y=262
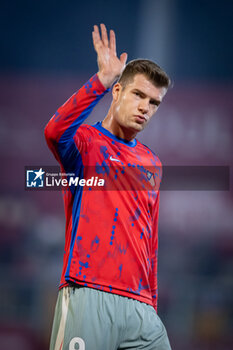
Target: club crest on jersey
x=150, y=177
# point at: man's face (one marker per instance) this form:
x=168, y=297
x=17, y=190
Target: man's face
x=135, y=104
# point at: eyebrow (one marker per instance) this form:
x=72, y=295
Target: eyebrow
x=153, y=100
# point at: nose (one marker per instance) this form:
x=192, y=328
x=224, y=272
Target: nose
x=143, y=106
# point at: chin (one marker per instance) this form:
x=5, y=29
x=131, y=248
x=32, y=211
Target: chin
x=138, y=127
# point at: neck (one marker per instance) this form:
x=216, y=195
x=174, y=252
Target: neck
x=111, y=124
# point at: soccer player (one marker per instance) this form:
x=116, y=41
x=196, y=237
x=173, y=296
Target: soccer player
x=107, y=297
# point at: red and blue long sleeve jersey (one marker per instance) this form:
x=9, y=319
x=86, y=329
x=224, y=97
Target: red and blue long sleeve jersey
x=111, y=238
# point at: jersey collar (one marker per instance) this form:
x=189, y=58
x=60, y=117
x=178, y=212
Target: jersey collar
x=99, y=127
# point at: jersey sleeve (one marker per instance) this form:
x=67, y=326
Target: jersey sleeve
x=61, y=131
x=154, y=257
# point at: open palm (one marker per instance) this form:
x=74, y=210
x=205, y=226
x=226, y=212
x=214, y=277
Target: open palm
x=110, y=66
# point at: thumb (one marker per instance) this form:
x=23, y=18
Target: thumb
x=123, y=58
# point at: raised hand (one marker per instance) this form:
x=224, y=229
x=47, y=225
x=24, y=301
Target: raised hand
x=110, y=66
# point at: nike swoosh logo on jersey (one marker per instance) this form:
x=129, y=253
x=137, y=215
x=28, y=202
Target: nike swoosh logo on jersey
x=114, y=159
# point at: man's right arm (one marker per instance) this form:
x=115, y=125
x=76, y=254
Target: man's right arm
x=60, y=130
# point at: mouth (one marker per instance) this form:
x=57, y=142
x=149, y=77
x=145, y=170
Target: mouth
x=140, y=118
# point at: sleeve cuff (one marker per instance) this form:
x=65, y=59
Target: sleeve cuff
x=99, y=86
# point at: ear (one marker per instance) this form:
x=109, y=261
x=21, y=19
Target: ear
x=116, y=91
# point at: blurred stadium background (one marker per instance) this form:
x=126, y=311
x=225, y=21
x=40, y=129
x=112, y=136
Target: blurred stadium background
x=46, y=55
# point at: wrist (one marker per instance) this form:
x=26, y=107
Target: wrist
x=106, y=80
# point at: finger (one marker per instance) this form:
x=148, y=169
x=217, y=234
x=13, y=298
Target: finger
x=123, y=58
x=97, y=33
x=113, y=41
x=96, y=37
x=104, y=34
